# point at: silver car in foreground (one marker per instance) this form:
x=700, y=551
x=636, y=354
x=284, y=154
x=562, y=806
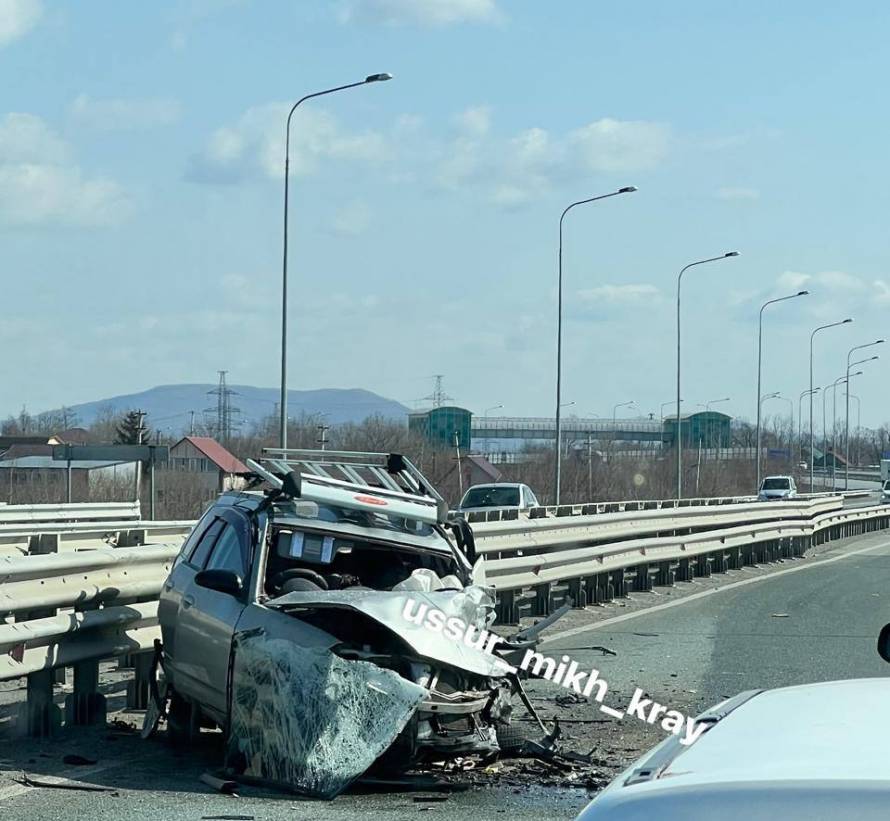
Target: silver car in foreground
x=301, y=618
x=814, y=752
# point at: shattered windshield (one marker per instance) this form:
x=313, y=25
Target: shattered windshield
x=491, y=497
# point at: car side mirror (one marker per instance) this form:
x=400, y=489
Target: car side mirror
x=223, y=581
x=884, y=642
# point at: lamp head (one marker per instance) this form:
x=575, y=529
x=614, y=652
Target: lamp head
x=846, y=321
x=803, y=293
x=628, y=189
x=731, y=254
x=879, y=341
x=378, y=78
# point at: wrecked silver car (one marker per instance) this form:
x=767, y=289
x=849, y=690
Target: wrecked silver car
x=299, y=616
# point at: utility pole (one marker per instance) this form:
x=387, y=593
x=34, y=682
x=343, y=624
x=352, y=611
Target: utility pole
x=322, y=438
x=460, y=476
x=590, y=466
x=192, y=424
x=140, y=434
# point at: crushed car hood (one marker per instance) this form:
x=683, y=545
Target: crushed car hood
x=473, y=605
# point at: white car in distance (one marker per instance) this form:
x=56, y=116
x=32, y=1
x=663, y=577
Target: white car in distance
x=776, y=488
x=501, y=495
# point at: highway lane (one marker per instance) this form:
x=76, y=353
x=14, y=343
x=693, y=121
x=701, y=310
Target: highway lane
x=816, y=623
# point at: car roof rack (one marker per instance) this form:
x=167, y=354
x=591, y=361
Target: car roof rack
x=386, y=483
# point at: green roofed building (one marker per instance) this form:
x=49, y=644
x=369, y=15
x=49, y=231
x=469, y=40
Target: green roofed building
x=709, y=429
x=440, y=425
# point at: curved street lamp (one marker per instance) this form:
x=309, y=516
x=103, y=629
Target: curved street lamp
x=847, y=416
x=800, y=421
x=812, y=335
x=371, y=78
x=678, y=439
x=759, y=359
x=628, y=189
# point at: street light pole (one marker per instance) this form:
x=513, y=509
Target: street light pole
x=800, y=422
x=371, y=78
x=715, y=402
x=759, y=361
x=485, y=417
x=847, y=415
x=665, y=404
x=858, y=426
x=812, y=442
x=615, y=418
x=678, y=439
x=791, y=428
x=628, y=189
x=834, y=385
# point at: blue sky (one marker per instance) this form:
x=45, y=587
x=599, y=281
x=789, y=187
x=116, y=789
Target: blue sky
x=141, y=176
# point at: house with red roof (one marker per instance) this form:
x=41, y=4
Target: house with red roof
x=212, y=464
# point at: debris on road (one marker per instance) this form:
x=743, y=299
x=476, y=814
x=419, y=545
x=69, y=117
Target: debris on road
x=60, y=784
x=223, y=785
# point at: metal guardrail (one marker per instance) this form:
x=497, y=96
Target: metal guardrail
x=69, y=512
x=535, y=562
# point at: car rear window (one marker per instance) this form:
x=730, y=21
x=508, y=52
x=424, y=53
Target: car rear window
x=491, y=497
x=775, y=484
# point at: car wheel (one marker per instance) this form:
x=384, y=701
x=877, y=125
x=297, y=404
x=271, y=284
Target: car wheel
x=511, y=738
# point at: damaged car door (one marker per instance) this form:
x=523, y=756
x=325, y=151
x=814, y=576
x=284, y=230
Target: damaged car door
x=213, y=586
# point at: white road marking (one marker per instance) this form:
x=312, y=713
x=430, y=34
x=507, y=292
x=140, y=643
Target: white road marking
x=599, y=625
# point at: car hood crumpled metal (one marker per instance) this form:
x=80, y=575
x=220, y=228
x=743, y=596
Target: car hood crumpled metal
x=473, y=605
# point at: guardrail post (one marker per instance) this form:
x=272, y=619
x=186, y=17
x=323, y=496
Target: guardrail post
x=577, y=592
x=86, y=705
x=541, y=604
x=39, y=716
x=684, y=571
x=138, y=689
x=47, y=543
x=507, y=612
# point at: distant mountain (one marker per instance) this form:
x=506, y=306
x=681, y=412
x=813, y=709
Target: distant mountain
x=170, y=406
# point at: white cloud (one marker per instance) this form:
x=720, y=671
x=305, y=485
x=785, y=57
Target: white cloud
x=614, y=294
x=431, y=13
x=840, y=281
x=475, y=121
x=882, y=292
x=26, y=138
x=40, y=184
x=254, y=146
x=737, y=193
x=352, y=219
x=124, y=114
x=516, y=169
x=17, y=18
x=614, y=145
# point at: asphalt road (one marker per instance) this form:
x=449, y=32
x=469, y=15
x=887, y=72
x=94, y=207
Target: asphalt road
x=688, y=647
x=811, y=620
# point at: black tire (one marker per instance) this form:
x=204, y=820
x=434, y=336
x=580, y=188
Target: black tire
x=511, y=737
